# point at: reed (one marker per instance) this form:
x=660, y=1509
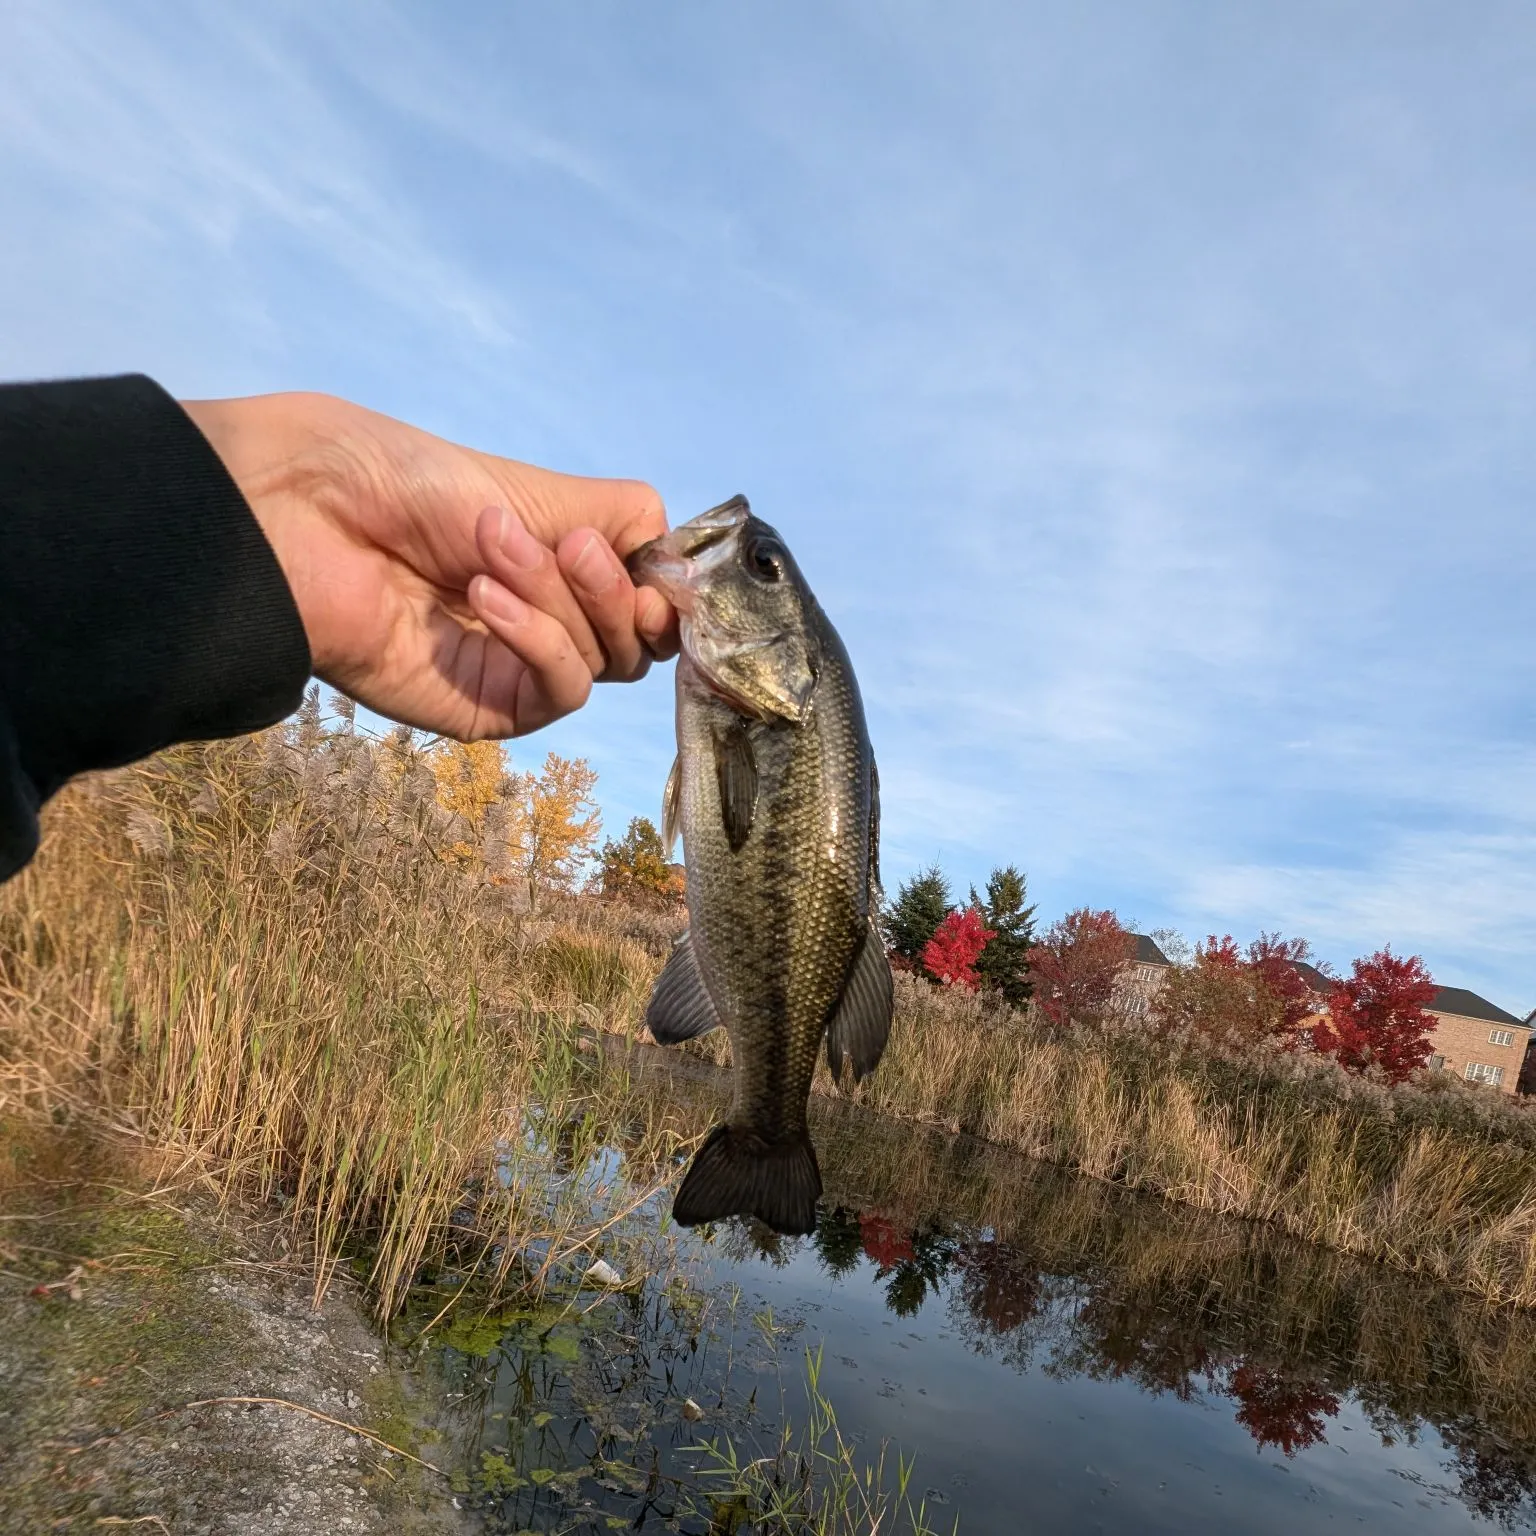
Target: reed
x=255, y=953
x=271, y=955
x=1431, y=1177
x=815, y=1481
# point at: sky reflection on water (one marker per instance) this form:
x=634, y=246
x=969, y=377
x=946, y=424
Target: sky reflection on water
x=1060, y=1355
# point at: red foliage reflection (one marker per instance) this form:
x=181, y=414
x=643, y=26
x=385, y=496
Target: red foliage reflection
x=884, y=1244
x=1277, y=1410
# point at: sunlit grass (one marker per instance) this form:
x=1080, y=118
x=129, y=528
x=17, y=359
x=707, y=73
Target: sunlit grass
x=250, y=953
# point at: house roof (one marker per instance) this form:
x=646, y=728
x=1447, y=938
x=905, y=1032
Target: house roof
x=1147, y=952
x=1468, y=1005
x=1310, y=974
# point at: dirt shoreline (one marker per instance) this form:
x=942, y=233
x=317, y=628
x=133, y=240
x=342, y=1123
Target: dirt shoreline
x=156, y=1300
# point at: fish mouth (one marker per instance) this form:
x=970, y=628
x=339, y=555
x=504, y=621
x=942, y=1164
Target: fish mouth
x=672, y=562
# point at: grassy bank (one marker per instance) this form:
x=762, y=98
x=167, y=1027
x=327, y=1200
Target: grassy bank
x=268, y=955
x=256, y=954
x=1433, y=1177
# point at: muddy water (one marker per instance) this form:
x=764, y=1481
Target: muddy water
x=1058, y=1355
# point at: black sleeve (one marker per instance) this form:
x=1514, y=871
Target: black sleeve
x=140, y=603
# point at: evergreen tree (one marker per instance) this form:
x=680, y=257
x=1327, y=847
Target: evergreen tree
x=839, y=1239
x=921, y=904
x=1002, y=966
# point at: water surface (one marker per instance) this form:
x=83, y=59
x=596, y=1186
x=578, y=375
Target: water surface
x=1058, y=1354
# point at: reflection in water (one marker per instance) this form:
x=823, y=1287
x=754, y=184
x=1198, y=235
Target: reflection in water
x=1041, y=1272
x=1038, y=1266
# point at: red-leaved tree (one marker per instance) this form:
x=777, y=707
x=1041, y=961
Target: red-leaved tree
x=950, y=956
x=1220, y=954
x=1075, y=966
x=1376, y=1016
x=1274, y=962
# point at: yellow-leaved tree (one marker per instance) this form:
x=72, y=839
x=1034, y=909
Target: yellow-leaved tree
x=552, y=824
x=535, y=828
x=471, y=777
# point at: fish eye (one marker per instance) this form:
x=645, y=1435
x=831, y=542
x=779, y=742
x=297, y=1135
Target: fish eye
x=765, y=559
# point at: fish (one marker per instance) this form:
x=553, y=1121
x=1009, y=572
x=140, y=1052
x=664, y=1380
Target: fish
x=776, y=796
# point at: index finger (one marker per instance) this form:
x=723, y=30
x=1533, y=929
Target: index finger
x=626, y=512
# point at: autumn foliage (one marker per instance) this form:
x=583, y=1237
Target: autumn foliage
x=1077, y=964
x=1231, y=997
x=537, y=829
x=1376, y=1016
x=950, y=956
x=635, y=868
x=1274, y=962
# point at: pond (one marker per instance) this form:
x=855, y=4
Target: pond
x=1057, y=1355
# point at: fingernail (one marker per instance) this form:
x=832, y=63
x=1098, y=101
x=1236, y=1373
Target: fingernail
x=500, y=603
x=594, y=569
x=517, y=544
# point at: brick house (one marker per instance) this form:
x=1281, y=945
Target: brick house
x=1473, y=1038
x=1476, y=1039
x=1142, y=978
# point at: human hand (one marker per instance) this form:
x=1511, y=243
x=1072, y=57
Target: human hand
x=463, y=593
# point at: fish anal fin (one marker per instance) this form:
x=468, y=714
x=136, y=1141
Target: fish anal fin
x=738, y=1173
x=736, y=769
x=862, y=1023
x=680, y=1007
x=672, y=808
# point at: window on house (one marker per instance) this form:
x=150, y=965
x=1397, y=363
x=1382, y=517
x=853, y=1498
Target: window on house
x=1437, y=1063
x=1501, y=1037
x=1482, y=1072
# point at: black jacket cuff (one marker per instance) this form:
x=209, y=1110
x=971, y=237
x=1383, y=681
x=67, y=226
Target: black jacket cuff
x=140, y=603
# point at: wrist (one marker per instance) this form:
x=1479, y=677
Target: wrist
x=267, y=443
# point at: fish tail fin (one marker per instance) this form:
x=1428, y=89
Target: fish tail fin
x=737, y=1173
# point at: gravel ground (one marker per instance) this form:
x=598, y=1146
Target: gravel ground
x=156, y=1303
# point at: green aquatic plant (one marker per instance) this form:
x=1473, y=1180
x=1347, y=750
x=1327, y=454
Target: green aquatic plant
x=814, y=1481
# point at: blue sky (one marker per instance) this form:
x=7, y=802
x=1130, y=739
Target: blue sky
x=1148, y=389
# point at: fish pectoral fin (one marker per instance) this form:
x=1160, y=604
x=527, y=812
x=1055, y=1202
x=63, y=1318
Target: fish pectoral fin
x=672, y=808
x=736, y=1173
x=736, y=768
x=862, y=1023
x=680, y=1007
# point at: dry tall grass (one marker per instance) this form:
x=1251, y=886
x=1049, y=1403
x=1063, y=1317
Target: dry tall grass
x=1433, y=1178
x=257, y=951
x=253, y=951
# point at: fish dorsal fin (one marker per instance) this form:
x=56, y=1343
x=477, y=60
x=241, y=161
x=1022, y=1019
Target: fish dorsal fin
x=680, y=1007
x=736, y=767
x=672, y=808
x=862, y=1023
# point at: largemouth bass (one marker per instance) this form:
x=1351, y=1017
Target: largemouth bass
x=775, y=793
